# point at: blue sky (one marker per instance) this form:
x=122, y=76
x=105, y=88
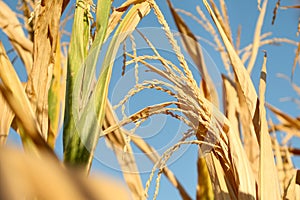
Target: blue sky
x=280, y=60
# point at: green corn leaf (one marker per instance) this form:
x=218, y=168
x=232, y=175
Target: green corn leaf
x=77, y=54
x=86, y=105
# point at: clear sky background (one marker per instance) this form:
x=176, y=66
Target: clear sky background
x=280, y=61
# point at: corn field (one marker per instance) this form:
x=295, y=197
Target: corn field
x=59, y=64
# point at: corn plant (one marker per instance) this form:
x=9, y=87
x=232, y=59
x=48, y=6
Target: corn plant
x=239, y=155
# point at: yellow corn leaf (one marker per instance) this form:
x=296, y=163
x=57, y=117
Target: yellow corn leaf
x=56, y=97
x=204, y=186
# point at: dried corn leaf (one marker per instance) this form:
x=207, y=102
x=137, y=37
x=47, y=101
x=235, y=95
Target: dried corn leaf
x=289, y=172
x=248, y=90
x=126, y=159
x=226, y=19
x=257, y=35
x=241, y=73
x=295, y=60
x=294, y=151
x=298, y=27
x=248, y=131
x=293, y=189
x=206, y=24
x=287, y=7
x=14, y=94
x=236, y=111
x=221, y=187
x=231, y=156
x=267, y=189
x=243, y=174
x=22, y=175
x=47, y=18
x=114, y=20
x=116, y=15
x=222, y=22
x=230, y=104
x=275, y=11
x=279, y=163
x=258, y=4
x=6, y=118
x=288, y=129
x=11, y=26
x=152, y=154
x=238, y=38
x=284, y=118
